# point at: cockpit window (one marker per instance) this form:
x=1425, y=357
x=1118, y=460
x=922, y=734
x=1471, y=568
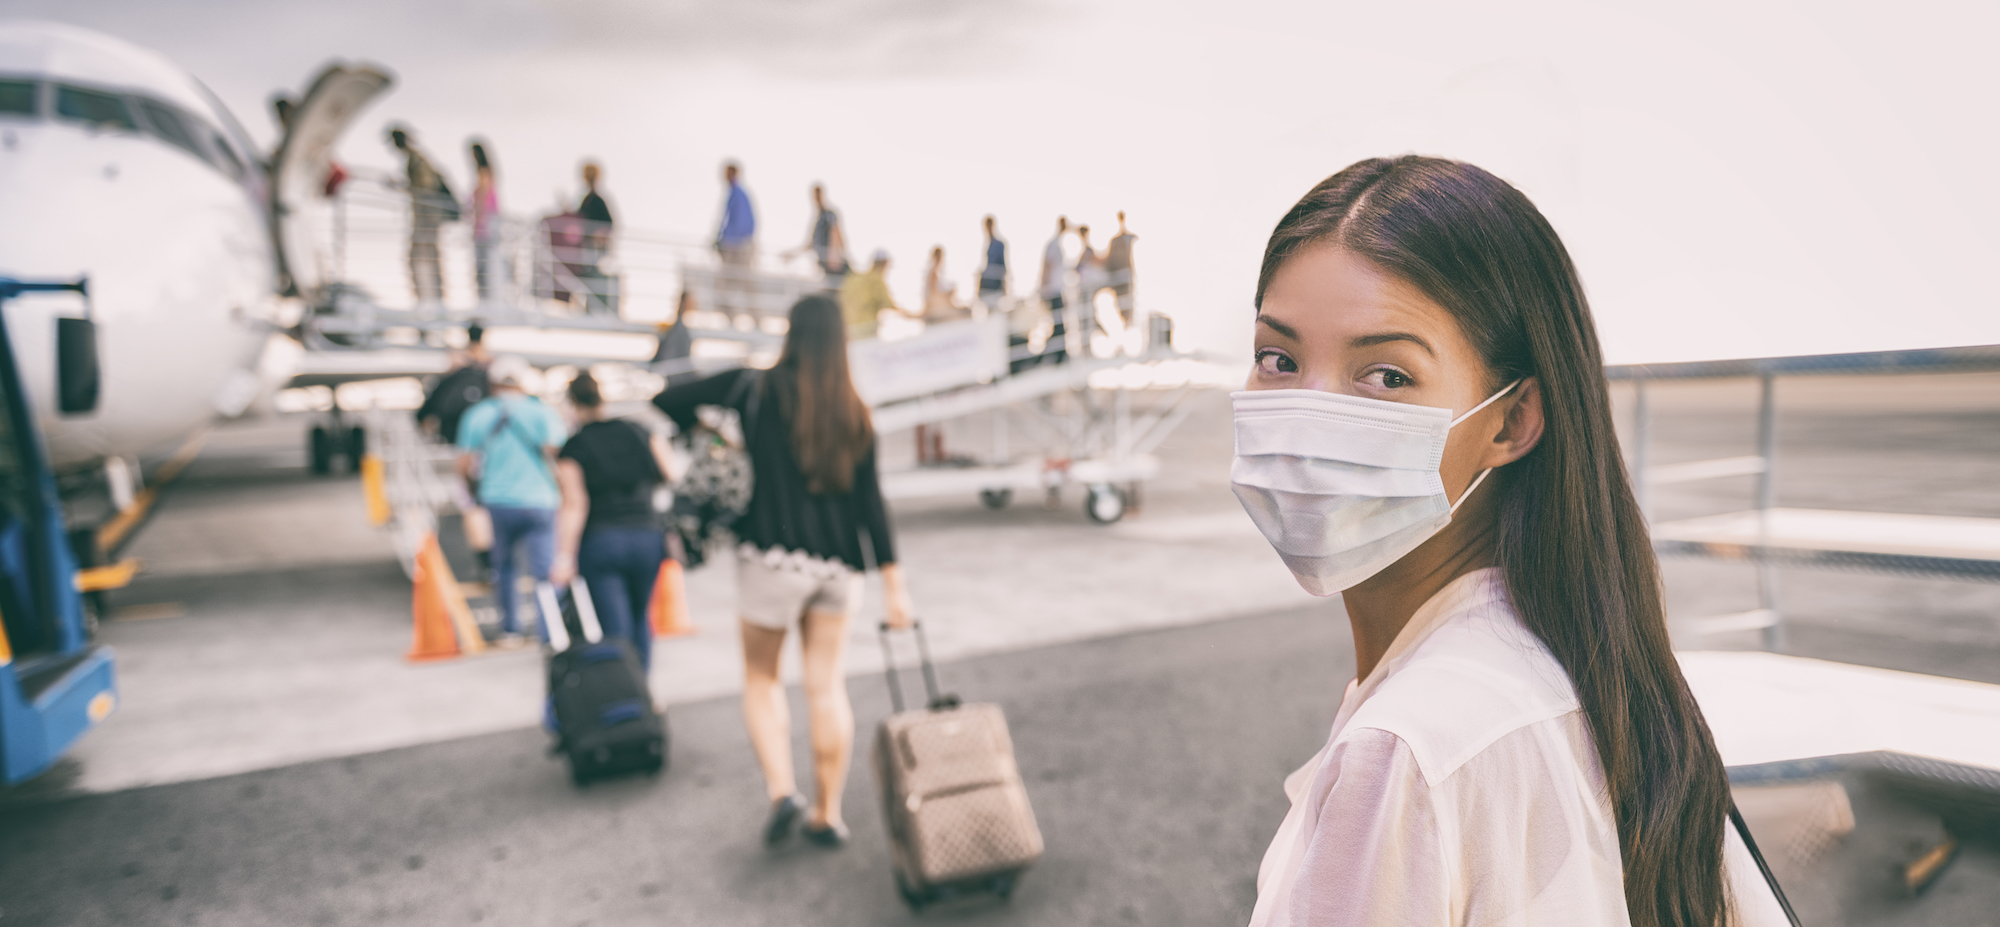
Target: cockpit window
x=170, y=126
x=231, y=165
x=17, y=97
x=94, y=107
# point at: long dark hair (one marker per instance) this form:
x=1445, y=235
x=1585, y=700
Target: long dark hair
x=831, y=429
x=1578, y=561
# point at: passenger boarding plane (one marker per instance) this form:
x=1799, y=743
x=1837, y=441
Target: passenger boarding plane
x=118, y=166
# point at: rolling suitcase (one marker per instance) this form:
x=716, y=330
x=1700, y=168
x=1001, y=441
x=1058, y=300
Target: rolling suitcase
x=601, y=711
x=958, y=815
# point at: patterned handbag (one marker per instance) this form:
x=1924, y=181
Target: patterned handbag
x=715, y=491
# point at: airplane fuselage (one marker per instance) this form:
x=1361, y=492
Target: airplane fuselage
x=124, y=170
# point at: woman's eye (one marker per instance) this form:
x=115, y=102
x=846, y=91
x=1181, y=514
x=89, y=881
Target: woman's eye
x=1388, y=378
x=1272, y=363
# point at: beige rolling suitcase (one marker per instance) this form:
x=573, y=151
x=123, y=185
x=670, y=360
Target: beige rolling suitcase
x=958, y=815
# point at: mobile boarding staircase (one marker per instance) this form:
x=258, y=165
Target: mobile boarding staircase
x=1095, y=400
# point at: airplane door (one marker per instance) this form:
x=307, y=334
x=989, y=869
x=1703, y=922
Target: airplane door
x=299, y=171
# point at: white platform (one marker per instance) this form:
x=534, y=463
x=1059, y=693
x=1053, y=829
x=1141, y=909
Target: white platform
x=1848, y=532
x=1766, y=707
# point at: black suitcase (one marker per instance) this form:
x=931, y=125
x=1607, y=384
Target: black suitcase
x=600, y=708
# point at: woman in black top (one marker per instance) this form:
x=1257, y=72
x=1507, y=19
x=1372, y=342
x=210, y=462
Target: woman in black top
x=800, y=556
x=606, y=529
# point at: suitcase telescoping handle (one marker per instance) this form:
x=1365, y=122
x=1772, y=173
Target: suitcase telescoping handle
x=939, y=701
x=552, y=613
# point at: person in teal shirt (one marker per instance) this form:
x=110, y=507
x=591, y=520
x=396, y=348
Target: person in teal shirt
x=509, y=441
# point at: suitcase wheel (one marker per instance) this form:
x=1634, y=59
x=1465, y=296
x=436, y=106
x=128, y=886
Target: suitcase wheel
x=910, y=896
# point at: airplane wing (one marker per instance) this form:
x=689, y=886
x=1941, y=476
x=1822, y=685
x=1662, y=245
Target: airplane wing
x=332, y=368
x=300, y=167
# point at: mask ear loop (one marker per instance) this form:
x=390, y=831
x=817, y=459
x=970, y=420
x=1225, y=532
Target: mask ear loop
x=1489, y=401
x=1481, y=478
x=1467, y=494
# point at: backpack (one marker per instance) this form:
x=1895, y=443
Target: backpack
x=715, y=491
x=458, y=391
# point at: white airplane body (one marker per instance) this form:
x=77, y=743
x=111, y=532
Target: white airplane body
x=119, y=167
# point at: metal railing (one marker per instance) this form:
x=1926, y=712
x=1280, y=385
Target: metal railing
x=556, y=266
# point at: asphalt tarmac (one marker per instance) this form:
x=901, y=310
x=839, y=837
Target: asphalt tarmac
x=1153, y=761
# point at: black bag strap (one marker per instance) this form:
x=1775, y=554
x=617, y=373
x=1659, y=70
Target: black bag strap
x=939, y=701
x=1750, y=842
x=536, y=449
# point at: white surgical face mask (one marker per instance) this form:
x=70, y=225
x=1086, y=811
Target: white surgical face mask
x=1342, y=486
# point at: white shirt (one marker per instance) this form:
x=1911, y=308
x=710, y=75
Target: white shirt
x=1052, y=268
x=1460, y=786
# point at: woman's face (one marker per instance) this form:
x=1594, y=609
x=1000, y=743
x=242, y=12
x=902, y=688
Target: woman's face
x=1332, y=321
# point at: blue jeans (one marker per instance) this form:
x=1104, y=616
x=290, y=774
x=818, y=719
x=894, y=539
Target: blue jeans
x=621, y=565
x=535, y=529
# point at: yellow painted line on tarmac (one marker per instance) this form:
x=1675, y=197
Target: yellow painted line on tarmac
x=105, y=578
x=113, y=532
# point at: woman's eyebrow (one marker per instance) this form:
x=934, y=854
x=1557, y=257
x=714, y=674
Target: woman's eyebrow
x=1277, y=326
x=1386, y=337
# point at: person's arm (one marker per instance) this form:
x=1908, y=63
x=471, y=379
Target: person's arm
x=571, y=513
x=679, y=402
x=472, y=427
x=874, y=514
x=662, y=457
x=1376, y=855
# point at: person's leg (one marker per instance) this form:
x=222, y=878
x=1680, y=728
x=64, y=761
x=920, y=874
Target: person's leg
x=416, y=256
x=424, y=272
x=824, y=638
x=482, y=257
x=1058, y=347
x=539, y=536
x=507, y=525
x=602, y=569
x=647, y=551
x=765, y=713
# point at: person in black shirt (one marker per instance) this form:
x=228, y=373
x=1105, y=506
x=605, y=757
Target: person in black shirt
x=606, y=528
x=800, y=559
x=597, y=223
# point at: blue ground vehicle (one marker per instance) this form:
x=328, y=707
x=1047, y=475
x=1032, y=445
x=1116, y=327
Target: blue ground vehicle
x=54, y=682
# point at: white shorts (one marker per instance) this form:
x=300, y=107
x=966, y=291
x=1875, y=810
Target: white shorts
x=775, y=587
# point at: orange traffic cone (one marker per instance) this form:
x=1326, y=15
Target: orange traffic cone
x=669, y=611
x=443, y=625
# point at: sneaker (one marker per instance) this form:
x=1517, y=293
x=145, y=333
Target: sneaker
x=784, y=815
x=831, y=836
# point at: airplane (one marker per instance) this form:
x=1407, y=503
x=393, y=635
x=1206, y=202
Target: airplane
x=119, y=167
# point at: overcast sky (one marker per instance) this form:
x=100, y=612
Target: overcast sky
x=1733, y=178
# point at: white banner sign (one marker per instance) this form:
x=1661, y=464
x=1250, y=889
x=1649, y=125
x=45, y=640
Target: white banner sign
x=944, y=356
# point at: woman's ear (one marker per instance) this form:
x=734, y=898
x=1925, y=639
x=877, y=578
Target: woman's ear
x=1522, y=428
